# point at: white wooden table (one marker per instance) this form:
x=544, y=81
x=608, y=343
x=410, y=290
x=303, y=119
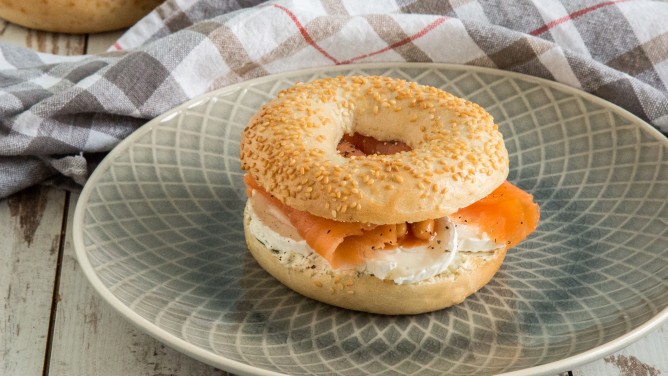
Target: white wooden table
x=53, y=323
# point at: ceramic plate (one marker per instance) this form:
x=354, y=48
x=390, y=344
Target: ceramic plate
x=158, y=231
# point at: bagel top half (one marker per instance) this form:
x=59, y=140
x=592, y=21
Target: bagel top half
x=457, y=157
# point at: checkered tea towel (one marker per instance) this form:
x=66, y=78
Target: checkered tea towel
x=58, y=112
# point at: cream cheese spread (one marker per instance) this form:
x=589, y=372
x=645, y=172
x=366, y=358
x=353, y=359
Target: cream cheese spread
x=270, y=226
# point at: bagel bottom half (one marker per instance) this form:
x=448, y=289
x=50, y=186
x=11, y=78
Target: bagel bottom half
x=352, y=290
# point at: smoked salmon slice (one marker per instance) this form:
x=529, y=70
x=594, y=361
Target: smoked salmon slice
x=356, y=248
x=323, y=235
x=508, y=215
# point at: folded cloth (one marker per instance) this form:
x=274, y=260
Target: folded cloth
x=56, y=111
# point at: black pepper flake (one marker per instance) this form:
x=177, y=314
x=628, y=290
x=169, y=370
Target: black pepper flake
x=447, y=227
x=328, y=231
x=438, y=241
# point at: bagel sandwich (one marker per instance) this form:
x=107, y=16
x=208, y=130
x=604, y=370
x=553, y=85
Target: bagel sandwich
x=379, y=195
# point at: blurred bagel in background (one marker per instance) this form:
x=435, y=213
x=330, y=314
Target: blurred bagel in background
x=75, y=16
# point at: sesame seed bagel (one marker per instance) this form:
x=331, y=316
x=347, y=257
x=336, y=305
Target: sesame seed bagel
x=76, y=16
x=457, y=154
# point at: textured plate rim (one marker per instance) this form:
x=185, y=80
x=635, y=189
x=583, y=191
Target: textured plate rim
x=247, y=369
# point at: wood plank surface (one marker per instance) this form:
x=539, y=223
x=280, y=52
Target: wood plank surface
x=30, y=233
x=646, y=357
x=90, y=338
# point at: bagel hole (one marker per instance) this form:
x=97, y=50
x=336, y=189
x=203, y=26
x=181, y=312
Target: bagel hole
x=357, y=144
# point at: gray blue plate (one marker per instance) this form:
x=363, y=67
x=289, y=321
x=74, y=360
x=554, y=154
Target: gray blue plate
x=158, y=231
